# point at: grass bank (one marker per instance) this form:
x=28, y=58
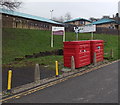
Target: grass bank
x=21, y=42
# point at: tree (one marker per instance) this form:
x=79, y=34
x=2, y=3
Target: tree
x=10, y=4
x=68, y=16
x=59, y=19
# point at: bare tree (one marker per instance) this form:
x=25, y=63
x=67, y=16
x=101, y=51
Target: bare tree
x=59, y=19
x=10, y=4
x=68, y=16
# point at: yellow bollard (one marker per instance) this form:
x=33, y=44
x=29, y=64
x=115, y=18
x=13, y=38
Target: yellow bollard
x=9, y=80
x=56, y=63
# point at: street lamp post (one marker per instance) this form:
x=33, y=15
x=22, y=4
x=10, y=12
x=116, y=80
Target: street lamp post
x=51, y=13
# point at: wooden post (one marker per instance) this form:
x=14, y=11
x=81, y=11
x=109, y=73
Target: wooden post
x=111, y=53
x=52, y=39
x=72, y=63
x=92, y=36
x=64, y=36
x=37, y=73
x=76, y=36
x=94, y=58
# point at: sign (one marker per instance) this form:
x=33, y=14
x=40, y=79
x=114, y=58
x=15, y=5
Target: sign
x=84, y=29
x=58, y=30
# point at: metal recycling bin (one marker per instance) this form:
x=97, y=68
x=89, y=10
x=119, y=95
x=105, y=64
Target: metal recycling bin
x=80, y=50
x=97, y=46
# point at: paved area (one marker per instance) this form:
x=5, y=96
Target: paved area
x=24, y=75
x=100, y=86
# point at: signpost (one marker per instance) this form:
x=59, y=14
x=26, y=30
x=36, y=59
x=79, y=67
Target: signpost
x=85, y=29
x=57, y=31
x=76, y=31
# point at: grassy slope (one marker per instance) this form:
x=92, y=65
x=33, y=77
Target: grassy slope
x=19, y=42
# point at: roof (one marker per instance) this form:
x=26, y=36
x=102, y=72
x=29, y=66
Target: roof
x=76, y=19
x=103, y=21
x=14, y=13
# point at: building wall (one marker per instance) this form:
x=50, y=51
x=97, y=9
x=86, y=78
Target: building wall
x=110, y=25
x=9, y=21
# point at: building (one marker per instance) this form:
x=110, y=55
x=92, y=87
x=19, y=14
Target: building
x=106, y=17
x=106, y=23
x=92, y=19
x=13, y=19
x=78, y=21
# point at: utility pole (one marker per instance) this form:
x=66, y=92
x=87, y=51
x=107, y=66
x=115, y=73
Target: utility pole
x=51, y=13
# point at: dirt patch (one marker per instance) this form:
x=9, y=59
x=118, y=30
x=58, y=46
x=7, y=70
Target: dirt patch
x=41, y=54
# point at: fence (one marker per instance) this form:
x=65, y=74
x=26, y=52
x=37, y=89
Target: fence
x=99, y=30
x=102, y=30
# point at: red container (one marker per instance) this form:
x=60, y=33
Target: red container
x=98, y=47
x=80, y=50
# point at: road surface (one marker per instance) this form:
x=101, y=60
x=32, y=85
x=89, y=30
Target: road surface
x=99, y=86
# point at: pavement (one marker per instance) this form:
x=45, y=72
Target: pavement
x=99, y=86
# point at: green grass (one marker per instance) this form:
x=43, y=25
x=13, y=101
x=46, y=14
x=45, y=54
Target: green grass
x=21, y=42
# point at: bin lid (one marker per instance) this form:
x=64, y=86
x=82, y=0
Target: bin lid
x=77, y=42
x=96, y=41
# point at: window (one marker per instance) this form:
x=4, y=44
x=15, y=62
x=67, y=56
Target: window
x=13, y=18
x=81, y=22
x=31, y=24
x=20, y=21
x=44, y=25
x=112, y=27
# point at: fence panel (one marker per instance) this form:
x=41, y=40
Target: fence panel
x=102, y=30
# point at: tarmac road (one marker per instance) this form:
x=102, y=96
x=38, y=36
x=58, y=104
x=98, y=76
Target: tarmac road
x=99, y=86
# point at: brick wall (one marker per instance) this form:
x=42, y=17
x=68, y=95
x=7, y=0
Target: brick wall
x=9, y=21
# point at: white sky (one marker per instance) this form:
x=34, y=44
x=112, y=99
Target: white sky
x=77, y=8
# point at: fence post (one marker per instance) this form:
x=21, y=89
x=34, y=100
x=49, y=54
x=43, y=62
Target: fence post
x=94, y=58
x=111, y=53
x=37, y=73
x=72, y=63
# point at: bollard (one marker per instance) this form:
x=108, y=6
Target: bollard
x=111, y=53
x=56, y=64
x=94, y=58
x=72, y=63
x=37, y=73
x=9, y=80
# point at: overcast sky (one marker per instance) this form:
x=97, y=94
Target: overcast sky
x=77, y=8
